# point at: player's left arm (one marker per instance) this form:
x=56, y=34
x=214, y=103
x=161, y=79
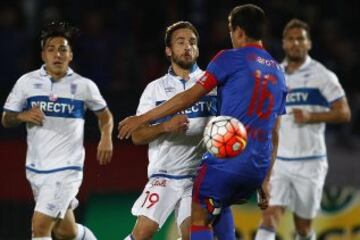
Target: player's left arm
x=339, y=113
x=179, y=102
x=263, y=193
x=105, y=146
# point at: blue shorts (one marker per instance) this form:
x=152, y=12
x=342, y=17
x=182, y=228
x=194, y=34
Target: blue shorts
x=224, y=188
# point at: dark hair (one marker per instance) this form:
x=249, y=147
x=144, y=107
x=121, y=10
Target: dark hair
x=249, y=18
x=58, y=29
x=297, y=23
x=179, y=25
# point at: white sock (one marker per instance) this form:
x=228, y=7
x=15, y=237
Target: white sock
x=84, y=233
x=310, y=236
x=41, y=238
x=265, y=234
x=129, y=237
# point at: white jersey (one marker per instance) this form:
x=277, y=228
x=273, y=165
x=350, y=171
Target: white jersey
x=312, y=87
x=177, y=155
x=57, y=145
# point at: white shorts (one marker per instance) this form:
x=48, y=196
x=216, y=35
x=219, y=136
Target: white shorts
x=54, y=193
x=161, y=196
x=298, y=185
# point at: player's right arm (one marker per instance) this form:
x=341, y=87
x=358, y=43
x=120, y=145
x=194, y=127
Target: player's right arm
x=13, y=119
x=148, y=133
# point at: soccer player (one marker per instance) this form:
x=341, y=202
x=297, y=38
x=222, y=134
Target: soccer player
x=52, y=102
x=175, y=147
x=251, y=88
x=315, y=97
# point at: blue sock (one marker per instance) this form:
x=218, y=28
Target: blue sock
x=201, y=233
x=224, y=228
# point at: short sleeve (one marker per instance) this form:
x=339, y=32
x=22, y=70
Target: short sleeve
x=332, y=89
x=146, y=102
x=16, y=101
x=94, y=101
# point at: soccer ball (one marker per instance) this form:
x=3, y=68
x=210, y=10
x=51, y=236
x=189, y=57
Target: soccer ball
x=225, y=137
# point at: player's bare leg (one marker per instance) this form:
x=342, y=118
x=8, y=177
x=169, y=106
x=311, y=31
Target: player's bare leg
x=303, y=228
x=269, y=222
x=42, y=225
x=200, y=227
x=67, y=228
x=185, y=229
x=144, y=228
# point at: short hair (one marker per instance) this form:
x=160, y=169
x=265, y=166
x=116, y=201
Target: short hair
x=58, y=29
x=179, y=25
x=296, y=23
x=249, y=18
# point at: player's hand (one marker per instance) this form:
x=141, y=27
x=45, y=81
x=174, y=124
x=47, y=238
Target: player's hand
x=301, y=115
x=263, y=195
x=104, y=151
x=127, y=126
x=177, y=124
x=34, y=115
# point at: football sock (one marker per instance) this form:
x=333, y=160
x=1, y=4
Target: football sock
x=200, y=233
x=130, y=237
x=265, y=234
x=310, y=236
x=84, y=233
x=224, y=225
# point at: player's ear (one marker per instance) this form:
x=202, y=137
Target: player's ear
x=168, y=52
x=71, y=56
x=43, y=55
x=310, y=45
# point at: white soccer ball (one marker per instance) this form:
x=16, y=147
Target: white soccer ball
x=225, y=137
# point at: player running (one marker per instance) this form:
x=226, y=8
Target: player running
x=52, y=102
x=315, y=97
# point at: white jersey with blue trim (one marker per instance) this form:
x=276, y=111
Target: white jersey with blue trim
x=57, y=145
x=177, y=155
x=313, y=88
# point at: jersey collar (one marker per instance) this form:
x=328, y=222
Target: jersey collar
x=193, y=71
x=255, y=45
x=302, y=67
x=44, y=73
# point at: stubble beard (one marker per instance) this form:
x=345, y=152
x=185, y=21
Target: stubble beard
x=183, y=63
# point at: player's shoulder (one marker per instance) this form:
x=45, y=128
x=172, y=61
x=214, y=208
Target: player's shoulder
x=79, y=79
x=321, y=70
x=158, y=81
x=29, y=77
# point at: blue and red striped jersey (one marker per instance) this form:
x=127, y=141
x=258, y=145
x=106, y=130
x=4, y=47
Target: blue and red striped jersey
x=251, y=87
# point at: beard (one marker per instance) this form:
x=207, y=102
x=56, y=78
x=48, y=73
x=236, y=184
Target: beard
x=297, y=58
x=184, y=64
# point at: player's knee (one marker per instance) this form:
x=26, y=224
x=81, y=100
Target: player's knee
x=143, y=233
x=68, y=233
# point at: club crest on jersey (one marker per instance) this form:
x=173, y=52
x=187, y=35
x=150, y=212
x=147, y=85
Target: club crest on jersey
x=73, y=88
x=169, y=89
x=53, y=97
x=37, y=85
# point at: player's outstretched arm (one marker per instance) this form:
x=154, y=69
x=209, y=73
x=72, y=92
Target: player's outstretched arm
x=179, y=102
x=105, y=146
x=147, y=133
x=13, y=119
